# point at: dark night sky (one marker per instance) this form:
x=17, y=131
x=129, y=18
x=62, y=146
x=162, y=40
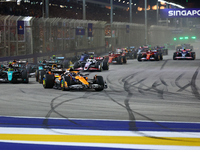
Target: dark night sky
x=188, y=3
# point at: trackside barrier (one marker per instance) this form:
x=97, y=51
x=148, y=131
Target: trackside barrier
x=44, y=36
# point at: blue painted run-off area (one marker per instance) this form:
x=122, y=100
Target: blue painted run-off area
x=98, y=124
x=19, y=146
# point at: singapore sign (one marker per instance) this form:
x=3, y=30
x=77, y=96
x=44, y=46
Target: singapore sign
x=179, y=13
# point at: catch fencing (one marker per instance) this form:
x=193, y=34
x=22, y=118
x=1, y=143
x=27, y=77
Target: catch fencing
x=34, y=39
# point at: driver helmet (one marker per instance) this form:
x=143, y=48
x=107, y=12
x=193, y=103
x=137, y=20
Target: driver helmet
x=54, y=57
x=10, y=64
x=14, y=62
x=44, y=61
x=73, y=74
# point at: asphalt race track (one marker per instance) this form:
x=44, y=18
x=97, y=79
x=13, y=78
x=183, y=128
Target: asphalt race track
x=165, y=90
x=147, y=105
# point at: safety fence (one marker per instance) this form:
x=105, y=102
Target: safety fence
x=38, y=38
x=35, y=39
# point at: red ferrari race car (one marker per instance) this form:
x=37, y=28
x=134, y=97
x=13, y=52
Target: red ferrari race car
x=184, y=54
x=150, y=55
x=116, y=58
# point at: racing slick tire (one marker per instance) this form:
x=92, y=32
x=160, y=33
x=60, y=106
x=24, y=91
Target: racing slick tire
x=157, y=57
x=99, y=81
x=124, y=60
x=66, y=64
x=119, y=60
x=41, y=75
x=48, y=81
x=106, y=58
x=139, y=57
x=135, y=55
x=193, y=55
x=36, y=75
x=76, y=65
x=161, y=56
x=25, y=78
x=64, y=86
x=174, y=56
x=105, y=65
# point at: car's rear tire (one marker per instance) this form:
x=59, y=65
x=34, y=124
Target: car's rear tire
x=41, y=75
x=99, y=81
x=65, y=83
x=25, y=78
x=105, y=65
x=48, y=81
x=193, y=55
x=157, y=57
x=76, y=65
x=124, y=60
x=36, y=75
x=139, y=57
x=174, y=56
x=161, y=56
x=119, y=60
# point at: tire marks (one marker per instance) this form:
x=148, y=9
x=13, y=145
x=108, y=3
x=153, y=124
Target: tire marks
x=191, y=84
x=164, y=64
x=131, y=112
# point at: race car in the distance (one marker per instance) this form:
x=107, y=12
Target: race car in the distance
x=150, y=55
x=44, y=65
x=130, y=52
x=91, y=63
x=184, y=46
x=75, y=80
x=184, y=54
x=119, y=57
x=53, y=73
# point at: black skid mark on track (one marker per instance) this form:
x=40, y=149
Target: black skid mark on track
x=163, y=82
x=193, y=85
x=131, y=112
x=132, y=125
x=22, y=90
x=131, y=76
x=160, y=92
x=45, y=121
x=113, y=86
x=164, y=64
x=184, y=87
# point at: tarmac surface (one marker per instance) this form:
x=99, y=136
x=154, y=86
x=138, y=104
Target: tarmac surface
x=166, y=90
